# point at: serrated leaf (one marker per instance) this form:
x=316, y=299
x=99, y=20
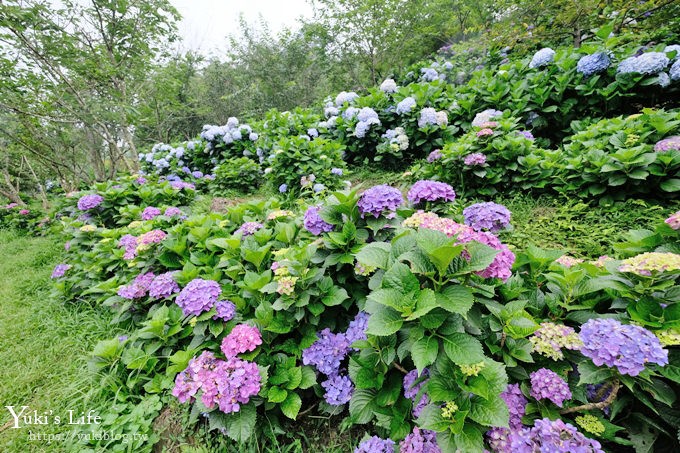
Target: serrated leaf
x=424, y=352
x=291, y=405
x=456, y=299
x=384, y=322
x=463, y=349
x=489, y=412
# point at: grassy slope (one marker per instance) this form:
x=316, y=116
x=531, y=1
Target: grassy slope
x=43, y=344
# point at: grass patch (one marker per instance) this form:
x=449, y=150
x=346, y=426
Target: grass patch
x=43, y=343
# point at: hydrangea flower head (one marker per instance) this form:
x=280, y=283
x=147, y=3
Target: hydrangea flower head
x=375, y=445
x=151, y=237
x=412, y=389
x=406, y=106
x=674, y=72
x=150, y=212
x=485, y=117
x=242, y=338
x=314, y=223
x=380, y=200
x=552, y=436
x=551, y=338
x=248, y=228
x=593, y=64
x=163, y=286
x=474, y=159
x=667, y=144
x=60, y=270
x=345, y=97
x=357, y=328
x=568, y=261
x=428, y=116
x=426, y=190
x=327, y=352
x=226, y=310
x=627, y=347
x=542, y=58
x=338, y=390
x=87, y=202
x=138, y=288
x=388, y=86
x=429, y=74
x=434, y=155
x=649, y=63
x=173, y=211
x=198, y=296
x=487, y=216
x=546, y=383
x=420, y=441
x=674, y=221
x=648, y=263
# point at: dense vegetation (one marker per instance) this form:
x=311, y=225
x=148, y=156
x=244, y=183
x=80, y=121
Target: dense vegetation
x=474, y=250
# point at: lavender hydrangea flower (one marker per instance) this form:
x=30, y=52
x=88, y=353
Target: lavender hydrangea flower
x=336, y=171
x=314, y=223
x=411, y=389
x=426, y=190
x=248, y=228
x=388, y=86
x=546, y=383
x=593, y=64
x=87, y=202
x=649, y=63
x=499, y=438
x=375, y=445
x=283, y=188
x=553, y=436
x=327, y=352
x=198, y=296
x=129, y=242
x=242, y=338
x=485, y=117
x=339, y=390
x=487, y=216
x=668, y=144
x=367, y=117
x=173, y=211
x=429, y=74
x=60, y=270
x=226, y=310
x=428, y=116
x=179, y=185
x=542, y=58
x=150, y=213
x=663, y=80
x=474, y=159
x=138, y=288
x=357, y=328
x=434, y=155
x=627, y=347
x=380, y=200
x=528, y=135
x=163, y=286
x=406, y=106
x=151, y=237
x=420, y=441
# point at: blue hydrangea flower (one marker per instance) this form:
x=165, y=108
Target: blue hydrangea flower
x=675, y=71
x=345, y=97
x=388, y=86
x=673, y=48
x=429, y=74
x=283, y=188
x=406, y=105
x=663, y=80
x=649, y=63
x=593, y=64
x=375, y=444
x=542, y=58
x=350, y=113
x=428, y=116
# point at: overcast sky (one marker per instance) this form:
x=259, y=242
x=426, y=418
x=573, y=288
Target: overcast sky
x=205, y=23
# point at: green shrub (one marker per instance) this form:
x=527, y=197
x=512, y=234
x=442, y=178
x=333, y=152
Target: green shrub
x=238, y=173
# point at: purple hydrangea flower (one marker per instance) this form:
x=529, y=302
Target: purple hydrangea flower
x=197, y=174
x=546, y=383
x=173, y=211
x=487, y=216
x=474, y=159
x=499, y=438
x=553, y=436
x=179, y=185
x=226, y=310
x=379, y=200
x=627, y=347
x=338, y=390
x=411, y=389
x=314, y=223
x=130, y=243
x=151, y=237
x=138, y=288
x=357, y=328
x=420, y=441
x=249, y=228
x=283, y=188
x=198, y=296
x=60, y=270
x=668, y=144
x=327, y=352
x=163, y=286
x=426, y=190
x=434, y=155
x=336, y=171
x=242, y=338
x=375, y=445
x=528, y=135
x=150, y=212
x=87, y=202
